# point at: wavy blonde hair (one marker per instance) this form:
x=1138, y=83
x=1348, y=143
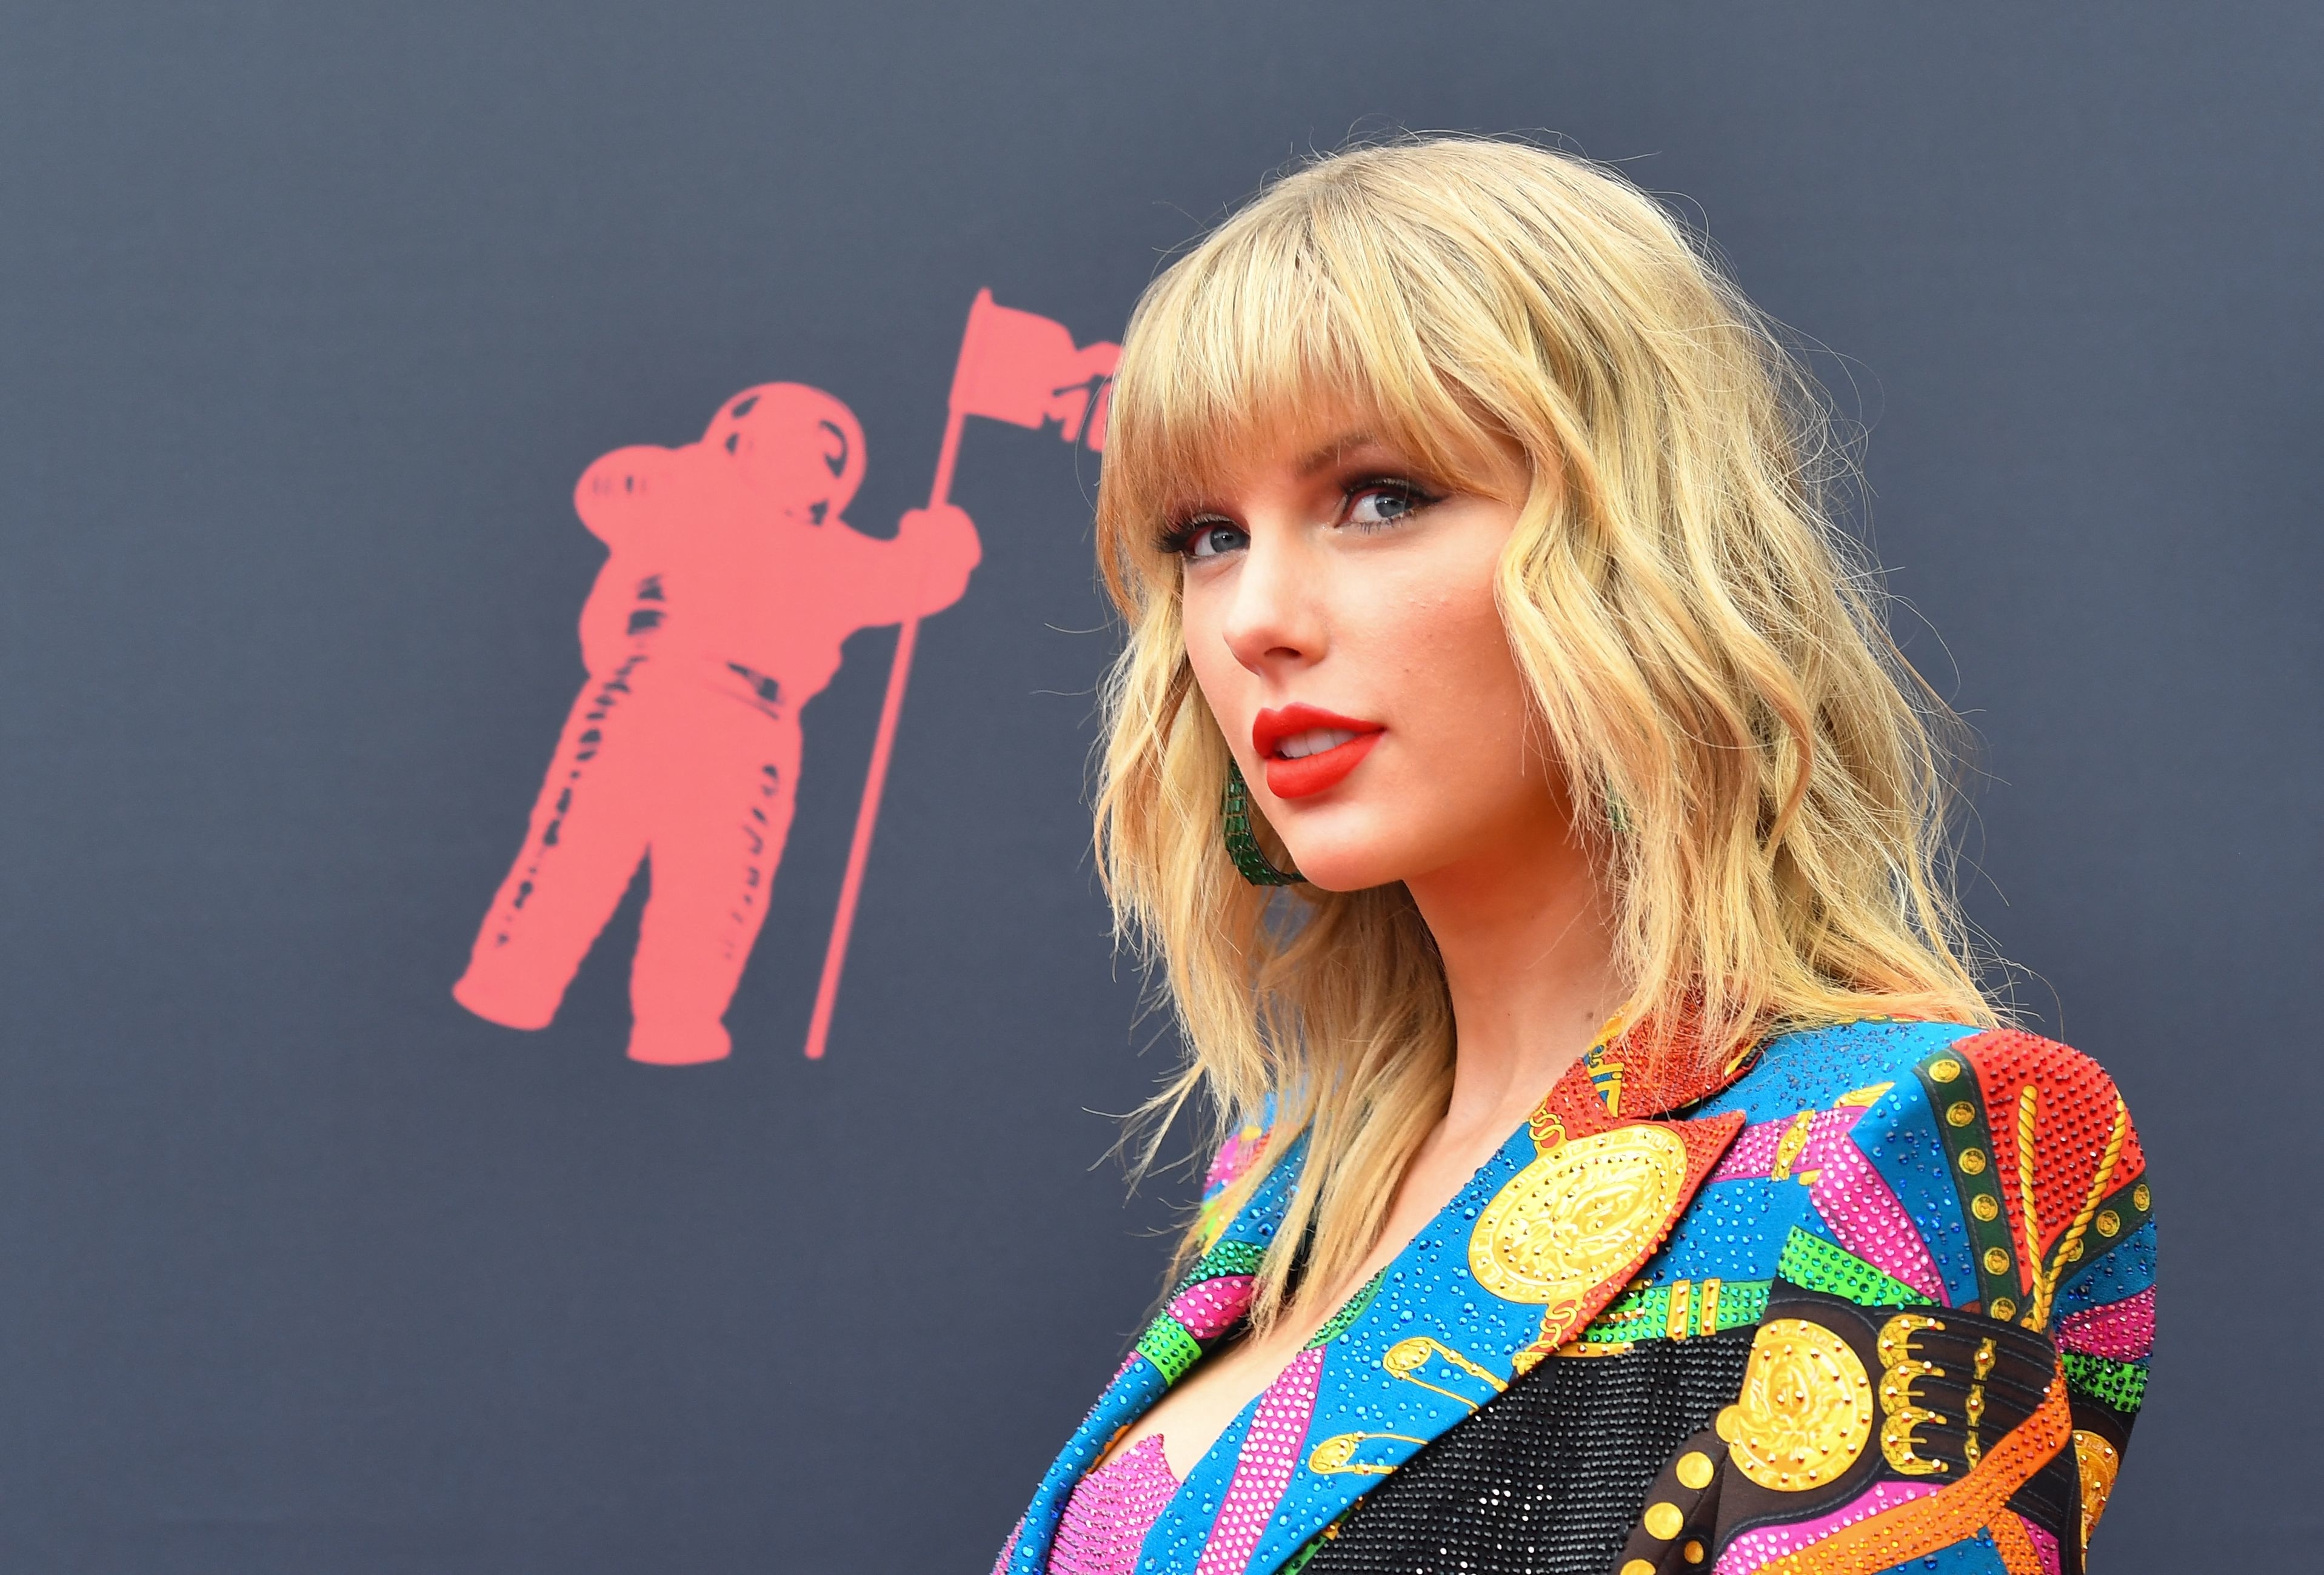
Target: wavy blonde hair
x=1705, y=647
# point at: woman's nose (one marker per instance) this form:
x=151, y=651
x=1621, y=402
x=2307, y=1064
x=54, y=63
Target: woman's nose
x=1275, y=617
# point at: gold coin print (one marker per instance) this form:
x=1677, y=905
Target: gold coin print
x=2096, y=1462
x=1806, y=1407
x=2138, y=1196
x=1945, y=1071
x=1985, y=1206
x=1972, y=1161
x=1996, y=1261
x=2108, y=1223
x=1577, y=1213
x=1961, y=1113
x=2003, y=1308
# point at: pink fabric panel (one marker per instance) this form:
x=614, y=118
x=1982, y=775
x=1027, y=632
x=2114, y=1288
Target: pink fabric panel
x=1234, y=1157
x=1754, y=1548
x=1210, y=1308
x=2045, y=1546
x=2122, y=1331
x=1752, y=1155
x=1857, y=1201
x=1270, y=1453
x=1110, y=1511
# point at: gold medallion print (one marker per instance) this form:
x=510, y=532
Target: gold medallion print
x=1578, y=1213
x=1805, y=1412
x=2095, y=1461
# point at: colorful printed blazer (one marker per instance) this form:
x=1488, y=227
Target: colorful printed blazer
x=1880, y=1297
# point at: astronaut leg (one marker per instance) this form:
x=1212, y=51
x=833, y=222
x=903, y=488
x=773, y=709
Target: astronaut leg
x=586, y=836
x=717, y=837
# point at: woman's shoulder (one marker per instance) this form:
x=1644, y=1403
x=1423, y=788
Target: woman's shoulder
x=2014, y=1156
x=1998, y=1109
x=1814, y=1067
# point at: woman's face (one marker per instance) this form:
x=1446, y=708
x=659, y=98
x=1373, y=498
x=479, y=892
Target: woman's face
x=1340, y=618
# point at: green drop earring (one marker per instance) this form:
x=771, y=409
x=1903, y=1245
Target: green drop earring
x=1243, y=848
x=1617, y=816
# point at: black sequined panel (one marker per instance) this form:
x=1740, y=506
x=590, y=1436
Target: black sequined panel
x=1549, y=1477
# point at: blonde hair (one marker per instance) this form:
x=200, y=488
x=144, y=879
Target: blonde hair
x=1705, y=647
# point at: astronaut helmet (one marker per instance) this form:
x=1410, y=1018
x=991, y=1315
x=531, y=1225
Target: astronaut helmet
x=796, y=447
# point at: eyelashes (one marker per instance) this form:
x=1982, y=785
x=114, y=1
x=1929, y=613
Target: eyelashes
x=1178, y=540
x=1374, y=503
x=1390, y=498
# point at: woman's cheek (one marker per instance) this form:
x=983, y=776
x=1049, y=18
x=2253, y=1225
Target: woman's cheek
x=1222, y=680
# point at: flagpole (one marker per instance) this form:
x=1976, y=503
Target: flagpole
x=867, y=813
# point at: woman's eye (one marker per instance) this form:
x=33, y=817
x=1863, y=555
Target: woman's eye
x=1384, y=503
x=1210, y=539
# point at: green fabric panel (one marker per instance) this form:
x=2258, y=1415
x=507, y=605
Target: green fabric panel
x=1975, y=1165
x=2121, y=1385
x=1350, y=1311
x=1742, y=1303
x=1167, y=1344
x=1813, y=1264
x=1228, y=1258
x=1645, y=1314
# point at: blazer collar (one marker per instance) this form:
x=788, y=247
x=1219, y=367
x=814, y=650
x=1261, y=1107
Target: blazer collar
x=1545, y=1234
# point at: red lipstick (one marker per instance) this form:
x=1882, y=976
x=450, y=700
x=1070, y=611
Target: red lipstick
x=1313, y=773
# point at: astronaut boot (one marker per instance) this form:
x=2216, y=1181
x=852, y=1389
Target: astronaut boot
x=512, y=997
x=659, y=1041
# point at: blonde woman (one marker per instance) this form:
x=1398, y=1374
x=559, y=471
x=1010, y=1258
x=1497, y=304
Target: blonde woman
x=1542, y=842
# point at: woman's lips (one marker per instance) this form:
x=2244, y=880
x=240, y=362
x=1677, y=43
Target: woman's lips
x=1311, y=773
x=1308, y=749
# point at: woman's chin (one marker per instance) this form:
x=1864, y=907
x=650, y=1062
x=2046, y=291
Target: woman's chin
x=1335, y=866
x=1349, y=842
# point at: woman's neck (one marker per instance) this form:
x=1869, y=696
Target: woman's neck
x=1526, y=933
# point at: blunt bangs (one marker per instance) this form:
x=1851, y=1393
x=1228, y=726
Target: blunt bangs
x=1283, y=331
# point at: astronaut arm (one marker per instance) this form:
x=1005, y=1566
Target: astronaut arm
x=924, y=568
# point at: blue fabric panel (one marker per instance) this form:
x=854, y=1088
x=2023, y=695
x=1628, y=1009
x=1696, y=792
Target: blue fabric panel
x=1735, y=1230
x=1808, y=1071
x=1176, y=1539
x=1974, y=1555
x=1899, y=1137
x=2125, y=1271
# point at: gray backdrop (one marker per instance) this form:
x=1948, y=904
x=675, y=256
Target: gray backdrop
x=309, y=315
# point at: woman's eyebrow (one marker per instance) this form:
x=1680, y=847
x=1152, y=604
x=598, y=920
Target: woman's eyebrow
x=1325, y=455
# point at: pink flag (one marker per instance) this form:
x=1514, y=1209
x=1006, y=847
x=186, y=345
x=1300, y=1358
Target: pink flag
x=1021, y=368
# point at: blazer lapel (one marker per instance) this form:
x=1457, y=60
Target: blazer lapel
x=1543, y=1237
x=1539, y=1240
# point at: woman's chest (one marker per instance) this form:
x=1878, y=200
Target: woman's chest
x=1193, y=1415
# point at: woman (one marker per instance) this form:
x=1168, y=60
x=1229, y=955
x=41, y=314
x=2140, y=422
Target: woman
x=1543, y=842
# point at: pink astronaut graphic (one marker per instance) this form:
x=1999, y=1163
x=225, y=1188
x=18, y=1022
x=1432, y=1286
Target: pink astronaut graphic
x=731, y=582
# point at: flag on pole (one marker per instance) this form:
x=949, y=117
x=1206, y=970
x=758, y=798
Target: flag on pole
x=1022, y=368
x=1014, y=366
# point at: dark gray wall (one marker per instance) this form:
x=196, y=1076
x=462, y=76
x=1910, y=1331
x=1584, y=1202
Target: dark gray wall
x=311, y=315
